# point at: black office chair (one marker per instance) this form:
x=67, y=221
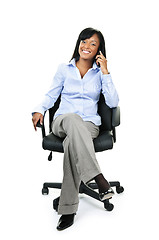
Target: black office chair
x=110, y=118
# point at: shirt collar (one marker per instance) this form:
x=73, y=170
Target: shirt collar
x=73, y=63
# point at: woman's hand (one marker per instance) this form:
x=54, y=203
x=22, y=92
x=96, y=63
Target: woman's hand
x=103, y=62
x=36, y=117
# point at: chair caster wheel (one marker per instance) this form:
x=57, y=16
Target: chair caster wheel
x=45, y=191
x=119, y=189
x=56, y=203
x=108, y=206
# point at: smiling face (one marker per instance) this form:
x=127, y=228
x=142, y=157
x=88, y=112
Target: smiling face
x=88, y=48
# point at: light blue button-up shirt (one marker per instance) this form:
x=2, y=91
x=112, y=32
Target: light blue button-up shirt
x=79, y=95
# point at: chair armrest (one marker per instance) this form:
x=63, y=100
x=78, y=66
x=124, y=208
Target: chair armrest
x=116, y=116
x=39, y=125
x=115, y=120
x=42, y=126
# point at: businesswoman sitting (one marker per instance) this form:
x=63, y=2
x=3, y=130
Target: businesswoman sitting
x=80, y=83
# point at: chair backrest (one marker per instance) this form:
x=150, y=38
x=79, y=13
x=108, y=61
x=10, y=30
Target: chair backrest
x=105, y=113
x=103, y=110
x=53, y=110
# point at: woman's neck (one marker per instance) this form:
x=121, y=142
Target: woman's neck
x=84, y=64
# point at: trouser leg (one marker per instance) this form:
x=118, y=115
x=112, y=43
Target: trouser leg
x=80, y=163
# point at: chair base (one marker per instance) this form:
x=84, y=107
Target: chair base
x=86, y=189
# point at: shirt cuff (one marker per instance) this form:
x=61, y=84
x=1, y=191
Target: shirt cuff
x=106, y=78
x=38, y=110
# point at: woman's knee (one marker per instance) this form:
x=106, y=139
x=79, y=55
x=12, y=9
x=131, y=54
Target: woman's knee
x=71, y=119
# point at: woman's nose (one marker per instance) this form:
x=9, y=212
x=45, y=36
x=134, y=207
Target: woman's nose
x=87, y=45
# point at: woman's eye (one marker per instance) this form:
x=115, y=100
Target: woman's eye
x=83, y=41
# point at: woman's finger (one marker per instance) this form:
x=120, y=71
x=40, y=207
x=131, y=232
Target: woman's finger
x=34, y=124
x=101, y=56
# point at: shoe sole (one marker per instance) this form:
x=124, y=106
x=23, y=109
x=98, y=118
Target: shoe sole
x=60, y=229
x=107, y=196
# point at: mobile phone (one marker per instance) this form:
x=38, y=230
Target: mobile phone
x=98, y=53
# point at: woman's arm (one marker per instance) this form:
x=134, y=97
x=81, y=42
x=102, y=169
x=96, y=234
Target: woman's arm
x=50, y=97
x=108, y=88
x=109, y=91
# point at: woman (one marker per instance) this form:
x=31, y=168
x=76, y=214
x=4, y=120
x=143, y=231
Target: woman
x=80, y=83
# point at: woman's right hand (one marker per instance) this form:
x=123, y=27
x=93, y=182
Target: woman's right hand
x=36, y=117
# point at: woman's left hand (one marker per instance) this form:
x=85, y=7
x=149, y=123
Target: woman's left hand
x=103, y=62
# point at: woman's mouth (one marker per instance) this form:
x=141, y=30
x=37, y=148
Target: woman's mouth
x=85, y=51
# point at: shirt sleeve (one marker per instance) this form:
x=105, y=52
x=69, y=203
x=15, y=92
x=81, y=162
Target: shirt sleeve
x=53, y=93
x=109, y=91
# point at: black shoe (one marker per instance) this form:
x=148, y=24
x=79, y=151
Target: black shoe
x=65, y=221
x=106, y=195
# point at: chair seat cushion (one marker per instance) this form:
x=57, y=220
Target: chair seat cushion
x=53, y=143
x=103, y=142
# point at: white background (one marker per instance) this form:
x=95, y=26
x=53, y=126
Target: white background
x=36, y=36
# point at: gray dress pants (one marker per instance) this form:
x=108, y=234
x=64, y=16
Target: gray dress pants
x=80, y=162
